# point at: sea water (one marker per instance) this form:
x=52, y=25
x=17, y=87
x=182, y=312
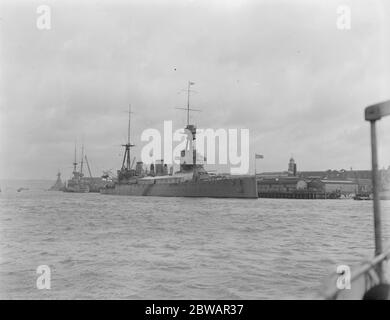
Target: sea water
x=120, y=247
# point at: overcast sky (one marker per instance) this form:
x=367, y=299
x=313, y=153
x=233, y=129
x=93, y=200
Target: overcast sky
x=282, y=69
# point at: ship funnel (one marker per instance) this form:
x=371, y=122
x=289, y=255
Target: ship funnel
x=160, y=167
x=139, y=168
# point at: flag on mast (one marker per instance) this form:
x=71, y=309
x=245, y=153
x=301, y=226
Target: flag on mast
x=259, y=156
x=191, y=83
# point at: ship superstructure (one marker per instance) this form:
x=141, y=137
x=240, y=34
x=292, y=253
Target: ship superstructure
x=79, y=182
x=76, y=183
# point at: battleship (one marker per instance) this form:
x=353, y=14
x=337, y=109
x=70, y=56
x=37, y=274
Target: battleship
x=192, y=180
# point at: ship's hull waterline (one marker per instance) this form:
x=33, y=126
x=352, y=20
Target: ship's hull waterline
x=243, y=187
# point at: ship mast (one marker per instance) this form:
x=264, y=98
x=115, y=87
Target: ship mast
x=128, y=145
x=188, y=109
x=188, y=103
x=190, y=127
x=82, y=159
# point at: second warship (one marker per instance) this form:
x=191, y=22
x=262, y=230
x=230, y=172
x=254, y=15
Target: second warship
x=192, y=180
x=76, y=183
x=79, y=183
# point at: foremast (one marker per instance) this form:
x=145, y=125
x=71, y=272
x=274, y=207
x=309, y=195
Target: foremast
x=125, y=172
x=188, y=159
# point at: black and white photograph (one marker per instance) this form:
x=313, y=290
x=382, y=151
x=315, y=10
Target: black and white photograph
x=209, y=151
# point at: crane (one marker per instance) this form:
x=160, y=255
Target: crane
x=89, y=169
x=132, y=163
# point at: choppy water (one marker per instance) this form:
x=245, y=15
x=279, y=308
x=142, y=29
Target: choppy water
x=175, y=248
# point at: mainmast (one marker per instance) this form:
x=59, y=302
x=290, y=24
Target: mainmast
x=75, y=160
x=190, y=127
x=188, y=103
x=128, y=127
x=128, y=145
x=82, y=159
x=188, y=109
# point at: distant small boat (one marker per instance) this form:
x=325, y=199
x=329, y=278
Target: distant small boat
x=22, y=189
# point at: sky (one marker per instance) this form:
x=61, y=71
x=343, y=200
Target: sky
x=281, y=69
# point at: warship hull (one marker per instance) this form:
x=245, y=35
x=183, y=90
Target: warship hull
x=76, y=189
x=243, y=187
x=94, y=184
